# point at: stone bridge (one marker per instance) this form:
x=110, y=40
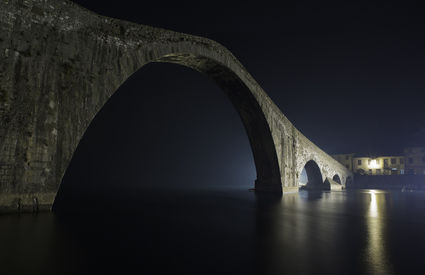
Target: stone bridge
x=60, y=63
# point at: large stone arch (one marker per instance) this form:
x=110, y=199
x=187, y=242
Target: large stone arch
x=244, y=99
x=60, y=64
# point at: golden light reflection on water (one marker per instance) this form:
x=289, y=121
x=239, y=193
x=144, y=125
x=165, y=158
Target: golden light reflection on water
x=373, y=209
x=375, y=251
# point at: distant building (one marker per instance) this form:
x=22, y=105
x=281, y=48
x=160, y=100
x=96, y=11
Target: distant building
x=346, y=160
x=383, y=165
x=415, y=160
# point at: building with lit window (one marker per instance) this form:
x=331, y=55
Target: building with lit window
x=383, y=165
x=415, y=160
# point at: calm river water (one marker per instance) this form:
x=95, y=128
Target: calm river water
x=223, y=232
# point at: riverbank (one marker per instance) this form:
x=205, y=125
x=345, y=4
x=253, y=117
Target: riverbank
x=388, y=182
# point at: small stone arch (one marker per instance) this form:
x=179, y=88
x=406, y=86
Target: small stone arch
x=337, y=179
x=314, y=176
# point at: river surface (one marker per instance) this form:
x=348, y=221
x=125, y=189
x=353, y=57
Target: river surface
x=229, y=231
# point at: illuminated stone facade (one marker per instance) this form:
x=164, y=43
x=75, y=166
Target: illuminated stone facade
x=385, y=165
x=376, y=166
x=412, y=162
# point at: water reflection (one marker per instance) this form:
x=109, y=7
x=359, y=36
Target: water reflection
x=235, y=232
x=373, y=209
x=34, y=244
x=377, y=258
x=301, y=234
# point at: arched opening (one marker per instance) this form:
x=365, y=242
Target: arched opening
x=337, y=179
x=174, y=137
x=250, y=112
x=311, y=177
x=170, y=129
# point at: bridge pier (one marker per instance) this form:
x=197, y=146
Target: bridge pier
x=274, y=186
x=271, y=185
x=290, y=189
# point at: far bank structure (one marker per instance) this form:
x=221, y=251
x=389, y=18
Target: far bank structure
x=412, y=162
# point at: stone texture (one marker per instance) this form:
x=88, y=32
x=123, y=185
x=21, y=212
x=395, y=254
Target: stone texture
x=60, y=63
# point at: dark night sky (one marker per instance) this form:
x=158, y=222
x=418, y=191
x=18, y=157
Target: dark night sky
x=351, y=77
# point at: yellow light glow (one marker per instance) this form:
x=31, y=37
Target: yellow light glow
x=376, y=250
x=373, y=164
x=373, y=210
